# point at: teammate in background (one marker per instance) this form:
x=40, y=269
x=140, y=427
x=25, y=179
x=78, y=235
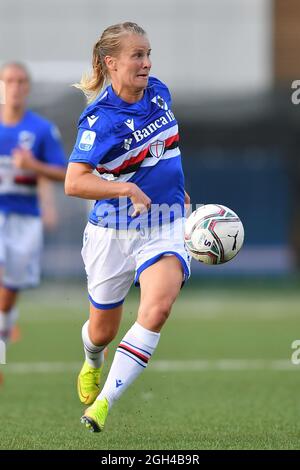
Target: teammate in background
x=48, y=203
x=130, y=135
x=30, y=151
x=48, y=206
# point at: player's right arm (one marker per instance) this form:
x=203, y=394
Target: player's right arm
x=81, y=182
x=91, y=147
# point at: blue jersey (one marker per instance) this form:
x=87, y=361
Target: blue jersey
x=18, y=187
x=135, y=142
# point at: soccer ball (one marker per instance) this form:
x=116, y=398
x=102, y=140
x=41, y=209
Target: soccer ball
x=214, y=234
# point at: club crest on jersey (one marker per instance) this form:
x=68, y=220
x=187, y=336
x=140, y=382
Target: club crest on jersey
x=87, y=140
x=160, y=102
x=157, y=148
x=26, y=140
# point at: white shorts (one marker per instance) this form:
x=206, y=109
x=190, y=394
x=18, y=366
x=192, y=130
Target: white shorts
x=21, y=240
x=114, y=259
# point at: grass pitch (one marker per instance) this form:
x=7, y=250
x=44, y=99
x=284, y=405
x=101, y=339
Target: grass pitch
x=221, y=377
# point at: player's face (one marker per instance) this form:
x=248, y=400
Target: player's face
x=132, y=65
x=16, y=86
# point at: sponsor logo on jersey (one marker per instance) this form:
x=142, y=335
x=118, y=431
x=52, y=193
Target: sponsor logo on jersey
x=129, y=123
x=26, y=140
x=141, y=134
x=127, y=144
x=92, y=119
x=157, y=148
x=87, y=140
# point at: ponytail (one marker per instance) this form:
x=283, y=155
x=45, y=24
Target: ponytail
x=92, y=85
x=109, y=44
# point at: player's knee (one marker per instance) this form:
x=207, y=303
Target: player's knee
x=8, y=299
x=157, y=314
x=103, y=336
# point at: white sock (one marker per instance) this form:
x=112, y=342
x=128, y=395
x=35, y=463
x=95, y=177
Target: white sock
x=131, y=358
x=94, y=355
x=4, y=322
x=7, y=321
x=13, y=316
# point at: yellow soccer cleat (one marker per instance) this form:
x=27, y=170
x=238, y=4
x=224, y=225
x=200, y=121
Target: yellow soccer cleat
x=95, y=416
x=88, y=383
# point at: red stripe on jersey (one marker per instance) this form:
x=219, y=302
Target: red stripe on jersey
x=170, y=140
x=29, y=180
x=138, y=158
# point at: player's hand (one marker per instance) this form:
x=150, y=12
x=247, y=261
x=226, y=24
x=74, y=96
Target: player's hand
x=187, y=204
x=141, y=202
x=23, y=159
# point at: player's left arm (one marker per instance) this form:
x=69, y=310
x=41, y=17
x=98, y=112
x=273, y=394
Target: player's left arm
x=48, y=203
x=51, y=161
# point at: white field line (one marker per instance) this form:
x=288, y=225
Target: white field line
x=160, y=366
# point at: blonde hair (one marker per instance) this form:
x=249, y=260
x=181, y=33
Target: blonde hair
x=108, y=44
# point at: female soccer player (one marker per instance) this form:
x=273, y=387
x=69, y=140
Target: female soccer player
x=130, y=136
x=30, y=149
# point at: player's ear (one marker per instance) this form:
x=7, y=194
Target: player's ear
x=110, y=63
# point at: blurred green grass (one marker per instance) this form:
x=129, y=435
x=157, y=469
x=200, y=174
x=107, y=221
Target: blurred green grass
x=206, y=409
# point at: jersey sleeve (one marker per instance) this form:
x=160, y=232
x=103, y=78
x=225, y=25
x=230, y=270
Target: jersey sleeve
x=166, y=94
x=52, y=151
x=92, y=144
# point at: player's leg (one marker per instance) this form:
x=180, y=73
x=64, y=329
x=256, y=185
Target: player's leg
x=21, y=268
x=4, y=329
x=97, y=333
x=8, y=312
x=8, y=296
x=3, y=317
x=157, y=299
x=110, y=274
x=160, y=284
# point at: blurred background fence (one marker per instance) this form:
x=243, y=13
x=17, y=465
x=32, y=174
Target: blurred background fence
x=230, y=65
